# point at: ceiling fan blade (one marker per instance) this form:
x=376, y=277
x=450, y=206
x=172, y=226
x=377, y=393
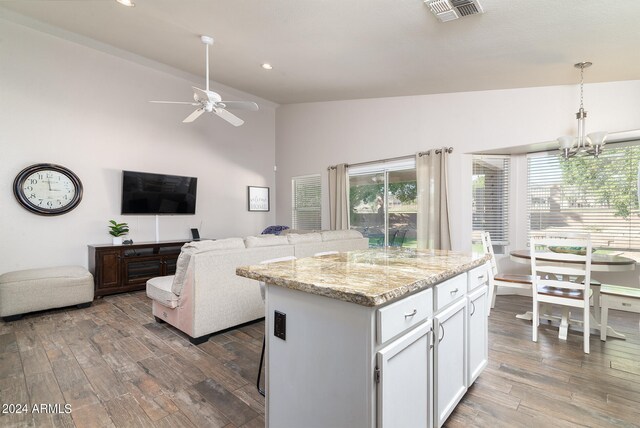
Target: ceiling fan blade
x=193, y=116
x=241, y=105
x=229, y=117
x=175, y=102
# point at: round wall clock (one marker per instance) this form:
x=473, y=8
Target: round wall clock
x=47, y=189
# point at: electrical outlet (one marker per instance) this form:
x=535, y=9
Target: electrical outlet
x=280, y=325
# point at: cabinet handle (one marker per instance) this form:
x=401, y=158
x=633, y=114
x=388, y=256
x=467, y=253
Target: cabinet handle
x=442, y=337
x=431, y=337
x=415, y=311
x=481, y=277
x=626, y=304
x=454, y=291
x=473, y=306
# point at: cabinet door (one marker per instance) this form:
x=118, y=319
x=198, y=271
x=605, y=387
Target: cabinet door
x=478, y=344
x=169, y=264
x=450, y=359
x=108, y=269
x=404, y=389
x=137, y=270
x=477, y=328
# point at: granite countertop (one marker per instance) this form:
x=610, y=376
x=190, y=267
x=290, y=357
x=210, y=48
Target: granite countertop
x=367, y=277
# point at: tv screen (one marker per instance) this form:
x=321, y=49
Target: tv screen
x=146, y=193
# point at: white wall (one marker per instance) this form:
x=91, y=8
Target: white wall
x=310, y=137
x=66, y=103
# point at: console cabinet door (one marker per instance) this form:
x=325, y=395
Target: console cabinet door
x=404, y=388
x=138, y=270
x=477, y=328
x=108, y=268
x=450, y=359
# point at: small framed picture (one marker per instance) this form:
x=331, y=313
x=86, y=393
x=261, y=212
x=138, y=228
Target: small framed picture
x=258, y=198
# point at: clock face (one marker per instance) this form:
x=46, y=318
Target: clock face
x=48, y=189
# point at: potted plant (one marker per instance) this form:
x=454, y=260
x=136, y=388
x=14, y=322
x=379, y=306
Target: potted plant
x=118, y=230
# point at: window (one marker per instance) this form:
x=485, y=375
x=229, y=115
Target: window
x=305, y=202
x=382, y=202
x=490, y=200
x=583, y=193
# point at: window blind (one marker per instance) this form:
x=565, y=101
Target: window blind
x=583, y=193
x=306, y=207
x=490, y=209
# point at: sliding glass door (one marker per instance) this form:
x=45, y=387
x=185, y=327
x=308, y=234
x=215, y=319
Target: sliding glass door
x=382, y=203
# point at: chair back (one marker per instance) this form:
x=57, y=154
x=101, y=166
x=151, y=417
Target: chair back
x=487, y=247
x=325, y=253
x=555, y=269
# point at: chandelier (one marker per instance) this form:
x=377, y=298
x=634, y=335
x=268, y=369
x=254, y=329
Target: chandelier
x=592, y=143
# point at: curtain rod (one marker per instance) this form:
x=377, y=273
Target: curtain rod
x=438, y=151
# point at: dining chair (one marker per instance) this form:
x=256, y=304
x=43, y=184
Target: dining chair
x=325, y=253
x=263, y=288
x=560, y=290
x=522, y=282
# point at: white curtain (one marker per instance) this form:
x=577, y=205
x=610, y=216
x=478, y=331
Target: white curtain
x=338, y=197
x=433, y=206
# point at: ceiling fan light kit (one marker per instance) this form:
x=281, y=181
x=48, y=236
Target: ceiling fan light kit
x=211, y=102
x=592, y=143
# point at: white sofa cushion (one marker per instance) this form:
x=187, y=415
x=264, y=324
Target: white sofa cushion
x=337, y=235
x=210, y=245
x=295, y=238
x=265, y=241
x=159, y=289
x=195, y=247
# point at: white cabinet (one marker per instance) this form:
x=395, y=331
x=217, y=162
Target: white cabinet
x=477, y=344
x=403, y=364
x=404, y=385
x=450, y=360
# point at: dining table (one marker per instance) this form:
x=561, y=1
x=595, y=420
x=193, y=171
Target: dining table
x=600, y=262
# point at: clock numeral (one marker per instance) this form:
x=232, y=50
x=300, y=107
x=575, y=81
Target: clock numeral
x=40, y=202
x=49, y=203
x=59, y=203
x=40, y=176
x=33, y=181
x=66, y=197
x=32, y=196
x=49, y=175
x=28, y=188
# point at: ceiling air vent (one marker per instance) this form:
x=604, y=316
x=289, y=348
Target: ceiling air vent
x=448, y=10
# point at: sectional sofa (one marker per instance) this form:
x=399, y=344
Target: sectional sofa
x=206, y=296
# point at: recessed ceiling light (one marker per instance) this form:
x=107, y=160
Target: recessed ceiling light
x=127, y=3
x=267, y=66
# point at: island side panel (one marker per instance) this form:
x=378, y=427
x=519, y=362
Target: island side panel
x=322, y=375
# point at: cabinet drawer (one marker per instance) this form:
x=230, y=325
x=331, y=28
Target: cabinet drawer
x=621, y=303
x=450, y=290
x=478, y=276
x=404, y=314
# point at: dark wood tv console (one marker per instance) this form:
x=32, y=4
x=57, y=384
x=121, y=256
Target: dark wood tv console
x=120, y=268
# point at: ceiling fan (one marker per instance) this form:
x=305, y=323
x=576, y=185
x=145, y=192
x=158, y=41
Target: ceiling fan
x=211, y=102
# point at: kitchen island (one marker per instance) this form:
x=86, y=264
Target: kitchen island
x=381, y=337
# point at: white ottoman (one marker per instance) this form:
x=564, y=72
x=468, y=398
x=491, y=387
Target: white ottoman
x=32, y=290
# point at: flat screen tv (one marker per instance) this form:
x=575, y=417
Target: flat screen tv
x=147, y=193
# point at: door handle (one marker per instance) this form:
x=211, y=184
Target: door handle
x=415, y=311
x=442, y=337
x=473, y=306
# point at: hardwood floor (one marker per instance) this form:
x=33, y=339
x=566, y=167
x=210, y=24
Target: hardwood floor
x=115, y=366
